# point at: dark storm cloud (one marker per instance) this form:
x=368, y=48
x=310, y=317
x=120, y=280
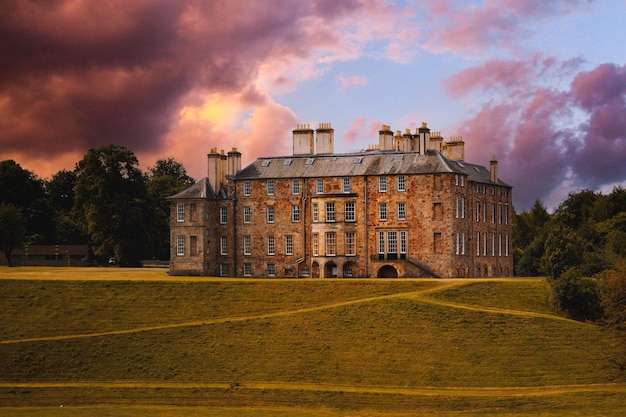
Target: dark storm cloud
x=74, y=75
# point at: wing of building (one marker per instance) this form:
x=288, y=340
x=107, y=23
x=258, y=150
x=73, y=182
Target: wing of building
x=409, y=206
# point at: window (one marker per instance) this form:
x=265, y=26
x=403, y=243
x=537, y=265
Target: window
x=315, y=243
x=247, y=189
x=493, y=244
x=456, y=207
x=350, y=243
x=330, y=212
x=382, y=184
x=403, y=244
x=269, y=187
x=223, y=270
x=271, y=269
x=392, y=245
x=401, y=211
x=500, y=213
x=288, y=244
x=506, y=245
x=315, y=212
x=484, y=212
x=493, y=212
x=350, y=212
x=331, y=244
x=477, y=211
x=193, y=245
x=180, y=245
x=247, y=270
x=477, y=243
x=506, y=214
x=381, y=245
x=271, y=245
x=485, y=244
x=319, y=186
x=223, y=245
x=269, y=214
x=295, y=213
x=401, y=183
x=247, y=245
x=223, y=215
x=247, y=214
x=180, y=213
x=499, y=244
x=382, y=211
x=460, y=243
x=295, y=186
x=346, y=185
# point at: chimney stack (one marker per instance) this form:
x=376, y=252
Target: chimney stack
x=324, y=139
x=216, y=169
x=424, y=138
x=385, y=138
x=303, y=143
x=493, y=169
x=234, y=162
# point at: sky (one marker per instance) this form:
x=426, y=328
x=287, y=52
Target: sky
x=540, y=85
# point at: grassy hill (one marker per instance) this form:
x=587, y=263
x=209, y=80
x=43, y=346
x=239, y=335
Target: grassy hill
x=131, y=342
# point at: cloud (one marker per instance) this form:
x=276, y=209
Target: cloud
x=549, y=142
x=462, y=27
x=353, y=81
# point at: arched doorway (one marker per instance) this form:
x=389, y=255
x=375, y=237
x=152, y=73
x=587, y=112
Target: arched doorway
x=330, y=270
x=315, y=270
x=349, y=270
x=387, y=271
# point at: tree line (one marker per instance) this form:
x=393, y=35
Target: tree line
x=106, y=202
x=581, y=249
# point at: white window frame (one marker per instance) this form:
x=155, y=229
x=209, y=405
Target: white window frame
x=247, y=188
x=350, y=211
x=402, y=210
x=401, y=183
x=180, y=245
x=223, y=245
x=247, y=245
x=295, y=186
x=271, y=269
x=270, y=216
x=270, y=187
x=330, y=212
x=295, y=213
x=382, y=184
x=331, y=244
x=346, y=186
x=319, y=186
x=247, y=269
x=315, y=243
x=247, y=214
x=288, y=244
x=223, y=270
x=223, y=215
x=382, y=212
x=316, y=212
x=180, y=213
x=350, y=243
x=271, y=245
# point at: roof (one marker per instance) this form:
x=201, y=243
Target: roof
x=359, y=164
x=201, y=189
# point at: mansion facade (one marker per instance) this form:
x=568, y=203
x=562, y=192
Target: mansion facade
x=409, y=206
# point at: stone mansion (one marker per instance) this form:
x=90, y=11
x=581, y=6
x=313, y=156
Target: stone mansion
x=409, y=206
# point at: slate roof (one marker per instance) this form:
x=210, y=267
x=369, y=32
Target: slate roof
x=201, y=189
x=363, y=163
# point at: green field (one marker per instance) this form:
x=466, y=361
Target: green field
x=134, y=342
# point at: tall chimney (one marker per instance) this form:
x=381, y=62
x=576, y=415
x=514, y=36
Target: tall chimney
x=214, y=169
x=324, y=138
x=234, y=162
x=303, y=140
x=424, y=140
x=493, y=169
x=385, y=138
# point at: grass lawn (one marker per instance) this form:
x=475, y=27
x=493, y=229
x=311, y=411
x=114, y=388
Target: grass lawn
x=131, y=342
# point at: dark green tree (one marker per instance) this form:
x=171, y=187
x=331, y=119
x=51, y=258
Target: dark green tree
x=12, y=229
x=112, y=206
x=167, y=178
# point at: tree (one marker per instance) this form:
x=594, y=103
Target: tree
x=167, y=178
x=111, y=205
x=12, y=229
x=613, y=294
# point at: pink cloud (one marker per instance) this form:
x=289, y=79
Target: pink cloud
x=353, y=81
x=536, y=132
